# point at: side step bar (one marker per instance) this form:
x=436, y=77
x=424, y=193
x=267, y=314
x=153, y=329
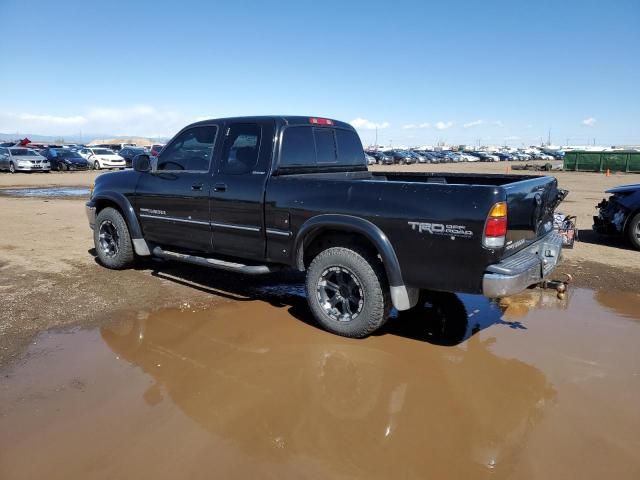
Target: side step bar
x=215, y=263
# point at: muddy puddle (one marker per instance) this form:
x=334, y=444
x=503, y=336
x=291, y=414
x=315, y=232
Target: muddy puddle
x=534, y=388
x=46, y=192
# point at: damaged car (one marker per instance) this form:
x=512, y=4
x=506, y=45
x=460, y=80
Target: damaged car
x=619, y=215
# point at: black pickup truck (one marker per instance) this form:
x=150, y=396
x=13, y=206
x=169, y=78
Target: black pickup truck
x=256, y=194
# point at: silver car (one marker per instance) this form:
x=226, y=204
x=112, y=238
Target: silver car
x=20, y=159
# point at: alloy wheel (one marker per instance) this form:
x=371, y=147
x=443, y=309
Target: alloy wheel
x=340, y=294
x=109, y=238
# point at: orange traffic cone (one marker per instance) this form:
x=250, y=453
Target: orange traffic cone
x=608, y=174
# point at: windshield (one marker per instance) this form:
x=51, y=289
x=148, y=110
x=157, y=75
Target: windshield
x=102, y=151
x=22, y=152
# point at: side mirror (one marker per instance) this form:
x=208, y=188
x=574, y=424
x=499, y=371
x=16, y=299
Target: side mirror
x=142, y=163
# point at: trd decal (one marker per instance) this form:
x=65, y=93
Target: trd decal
x=441, y=229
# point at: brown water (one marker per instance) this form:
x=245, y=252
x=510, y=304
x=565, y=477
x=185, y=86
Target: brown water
x=548, y=389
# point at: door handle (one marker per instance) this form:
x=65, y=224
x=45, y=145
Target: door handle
x=196, y=187
x=220, y=187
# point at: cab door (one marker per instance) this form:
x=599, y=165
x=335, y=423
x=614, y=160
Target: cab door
x=237, y=192
x=172, y=201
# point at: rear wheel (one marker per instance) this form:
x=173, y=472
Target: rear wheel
x=61, y=167
x=112, y=240
x=347, y=291
x=634, y=231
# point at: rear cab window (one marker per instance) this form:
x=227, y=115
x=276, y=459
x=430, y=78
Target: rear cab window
x=309, y=146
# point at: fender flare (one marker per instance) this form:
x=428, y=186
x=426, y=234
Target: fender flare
x=348, y=223
x=402, y=297
x=139, y=244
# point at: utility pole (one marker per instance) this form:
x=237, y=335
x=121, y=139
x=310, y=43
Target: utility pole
x=549, y=138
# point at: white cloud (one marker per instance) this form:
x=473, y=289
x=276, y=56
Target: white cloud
x=443, y=125
x=475, y=123
x=141, y=120
x=589, y=122
x=497, y=123
x=365, y=124
x=413, y=125
x=51, y=119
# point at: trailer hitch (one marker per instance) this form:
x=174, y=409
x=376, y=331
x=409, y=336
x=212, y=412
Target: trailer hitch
x=560, y=286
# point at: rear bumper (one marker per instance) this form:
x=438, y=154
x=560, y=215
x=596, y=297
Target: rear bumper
x=523, y=269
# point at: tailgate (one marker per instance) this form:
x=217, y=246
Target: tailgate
x=530, y=207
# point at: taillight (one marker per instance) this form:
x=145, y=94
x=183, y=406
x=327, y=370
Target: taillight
x=495, y=229
x=321, y=121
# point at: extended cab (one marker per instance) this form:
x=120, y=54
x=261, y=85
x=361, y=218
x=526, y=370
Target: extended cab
x=256, y=194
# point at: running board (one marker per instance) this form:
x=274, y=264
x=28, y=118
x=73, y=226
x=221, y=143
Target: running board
x=215, y=263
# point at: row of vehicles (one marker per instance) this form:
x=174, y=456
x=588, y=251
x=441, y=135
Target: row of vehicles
x=403, y=157
x=69, y=157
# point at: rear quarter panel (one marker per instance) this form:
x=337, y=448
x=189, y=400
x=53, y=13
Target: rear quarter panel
x=414, y=216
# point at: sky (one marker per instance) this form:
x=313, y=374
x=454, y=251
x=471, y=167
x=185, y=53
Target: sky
x=418, y=72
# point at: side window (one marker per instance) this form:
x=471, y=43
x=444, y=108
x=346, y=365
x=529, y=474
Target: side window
x=298, y=148
x=241, y=149
x=189, y=151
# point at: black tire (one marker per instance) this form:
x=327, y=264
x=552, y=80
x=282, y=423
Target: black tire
x=115, y=252
x=62, y=167
x=96, y=165
x=369, y=282
x=633, y=231
x=12, y=168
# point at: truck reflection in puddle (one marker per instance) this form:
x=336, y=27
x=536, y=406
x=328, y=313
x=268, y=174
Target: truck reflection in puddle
x=279, y=391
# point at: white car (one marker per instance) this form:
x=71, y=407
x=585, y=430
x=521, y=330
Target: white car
x=99, y=158
x=467, y=157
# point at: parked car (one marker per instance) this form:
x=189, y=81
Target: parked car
x=62, y=159
x=370, y=159
x=469, y=157
x=403, y=158
x=19, y=159
x=505, y=156
x=383, y=158
x=129, y=152
x=487, y=157
x=295, y=192
x=418, y=156
x=99, y=158
x=620, y=214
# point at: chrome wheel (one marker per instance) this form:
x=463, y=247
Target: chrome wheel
x=12, y=168
x=340, y=294
x=109, y=238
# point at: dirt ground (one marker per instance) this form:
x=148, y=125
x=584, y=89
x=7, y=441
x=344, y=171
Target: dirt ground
x=173, y=371
x=49, y=277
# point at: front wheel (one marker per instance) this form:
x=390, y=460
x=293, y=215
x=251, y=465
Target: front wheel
x=96, y=165
x=12, y=168
x=61, y=167
x=347, y=291
x=634, y=231
x=112, y=240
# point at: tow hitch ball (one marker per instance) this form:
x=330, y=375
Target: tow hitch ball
x=560, y=286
